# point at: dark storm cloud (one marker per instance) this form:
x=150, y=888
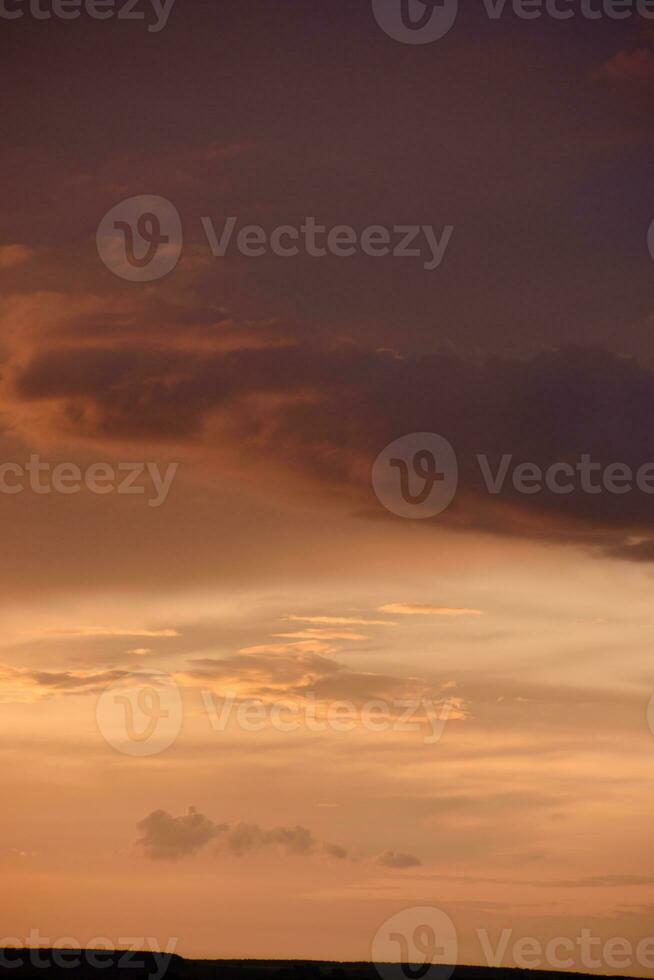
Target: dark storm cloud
x=328, y=411
x=642, y=551
x=514, y=163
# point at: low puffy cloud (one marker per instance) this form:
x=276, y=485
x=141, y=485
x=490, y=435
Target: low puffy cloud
x=394, y=859
x=244, y=838
x=168, y=838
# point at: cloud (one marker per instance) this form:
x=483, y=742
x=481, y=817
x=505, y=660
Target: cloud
x=22, y=684
x=318, y=413
x=14, y=255
x=597, y=881
x=310, y=634
x=313, y=646
x=31, y=686
x=263, y=671
x=629, y=67
x=288, y=674
x=339, y=621
x=393, y=859
x=416, y=609
x=243, y=838
x=104, y=631
x=605, y=881
x=640, y=551
x=165, y=837
x=168, y=838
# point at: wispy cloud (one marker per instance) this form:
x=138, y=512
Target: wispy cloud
x=311, y=634
x=285, y=673
x=417, y=609
x=20, y=685
x=339, y=621
x=90, y=631
x=14, y=255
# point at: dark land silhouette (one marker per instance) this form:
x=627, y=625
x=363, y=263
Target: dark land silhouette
x=109, y=965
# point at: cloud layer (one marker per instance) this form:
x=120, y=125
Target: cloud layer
x=319, y=414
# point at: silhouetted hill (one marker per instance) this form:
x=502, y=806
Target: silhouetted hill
x=30, y=964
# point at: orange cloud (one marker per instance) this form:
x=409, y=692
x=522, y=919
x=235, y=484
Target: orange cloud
x=416, y=609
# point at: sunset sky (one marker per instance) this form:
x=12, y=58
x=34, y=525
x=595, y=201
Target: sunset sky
x=272, y=570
